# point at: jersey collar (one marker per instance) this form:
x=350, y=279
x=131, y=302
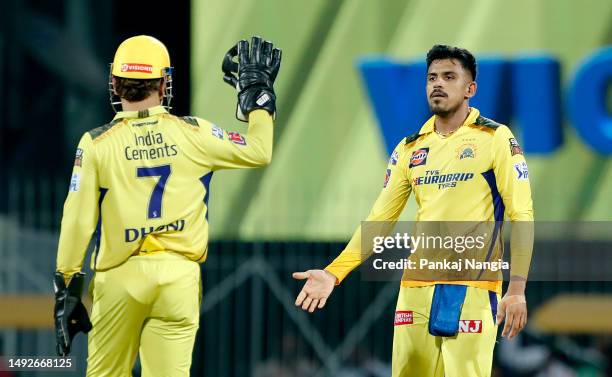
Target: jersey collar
x=156, y=110
x=429, y=125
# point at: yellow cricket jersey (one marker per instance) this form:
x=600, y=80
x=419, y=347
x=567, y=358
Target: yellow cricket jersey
x=141, y=183
x=477, y=173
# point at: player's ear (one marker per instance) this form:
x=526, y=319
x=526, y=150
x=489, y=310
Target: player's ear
x=471, y=90
x=162, y=89
x=115, y=85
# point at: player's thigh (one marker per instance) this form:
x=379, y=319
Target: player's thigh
x=470, y=353
x=166, y=347
x=168, y=337
x=117, y=316
x=179, y=290
x=415, y=351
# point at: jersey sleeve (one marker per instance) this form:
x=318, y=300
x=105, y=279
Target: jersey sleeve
x=231, y=150
x=387, y=208
x=512, y=180
x=80, y=210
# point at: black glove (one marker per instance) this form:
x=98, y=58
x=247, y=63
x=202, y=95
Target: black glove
x=69, y=312
x=252, y=75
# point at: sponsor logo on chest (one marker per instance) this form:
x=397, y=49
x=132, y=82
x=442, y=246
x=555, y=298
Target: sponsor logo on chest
x=434, y=177
x=419, y=157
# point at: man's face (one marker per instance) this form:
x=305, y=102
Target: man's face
x=448, y=85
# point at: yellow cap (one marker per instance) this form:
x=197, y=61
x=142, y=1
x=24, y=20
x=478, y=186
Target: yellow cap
x=141, y=57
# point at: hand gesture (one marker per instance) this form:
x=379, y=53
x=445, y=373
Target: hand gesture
x=319, y=285
x=252, y=70
x=512, y=309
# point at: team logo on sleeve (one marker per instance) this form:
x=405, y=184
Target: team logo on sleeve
x=515, y=148
x=387, y=177
x=217, y=132
x=393, y=158
x=403, y=317
x=75, y=182
x=521, y=170
x=78, y=158
x=236, y=138
x=419, y=157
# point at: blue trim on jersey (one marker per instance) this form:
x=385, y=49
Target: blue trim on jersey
x=498, y=203
x=98, y=233
x=205, y=179
x=498, y=211
x=493, y=302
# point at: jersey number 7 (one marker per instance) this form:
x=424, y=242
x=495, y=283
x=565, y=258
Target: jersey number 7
x=155, y=202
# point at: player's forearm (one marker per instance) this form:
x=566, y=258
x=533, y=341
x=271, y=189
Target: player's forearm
x=344, y=263
x=349, y=259
x=521, y=249
x=73, y=242
x=516, y=286
x=260, y=136
x=69, y=263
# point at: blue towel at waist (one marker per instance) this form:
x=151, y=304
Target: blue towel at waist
x=446, y=309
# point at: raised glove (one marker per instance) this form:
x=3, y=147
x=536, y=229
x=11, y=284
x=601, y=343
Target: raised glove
x=252, y=75
x=69, y=312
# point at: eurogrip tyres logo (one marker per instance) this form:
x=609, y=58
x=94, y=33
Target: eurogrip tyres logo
x=136, y=67
x=527, y=92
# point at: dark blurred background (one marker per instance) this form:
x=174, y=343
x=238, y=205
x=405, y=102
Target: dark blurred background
x=55, y=62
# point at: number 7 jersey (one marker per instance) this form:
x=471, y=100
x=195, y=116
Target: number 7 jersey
x=140, y=184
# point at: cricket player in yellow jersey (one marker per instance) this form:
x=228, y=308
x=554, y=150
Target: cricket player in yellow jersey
x=460, y=166
x=141, y=182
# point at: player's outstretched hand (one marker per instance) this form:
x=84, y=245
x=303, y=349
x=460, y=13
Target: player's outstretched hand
x=513, y=310
x=319, y=285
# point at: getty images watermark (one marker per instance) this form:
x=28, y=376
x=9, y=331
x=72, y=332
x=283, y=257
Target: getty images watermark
x=546, y=251
x=441, y=251
x=405, y=242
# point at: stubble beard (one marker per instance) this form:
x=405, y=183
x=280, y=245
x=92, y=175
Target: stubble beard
x=439, y=110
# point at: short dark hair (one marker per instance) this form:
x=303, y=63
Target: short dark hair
x=134, y=90
x=464, y=57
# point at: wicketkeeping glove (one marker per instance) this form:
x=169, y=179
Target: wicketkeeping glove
x=69, y=312
x=252, y=75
